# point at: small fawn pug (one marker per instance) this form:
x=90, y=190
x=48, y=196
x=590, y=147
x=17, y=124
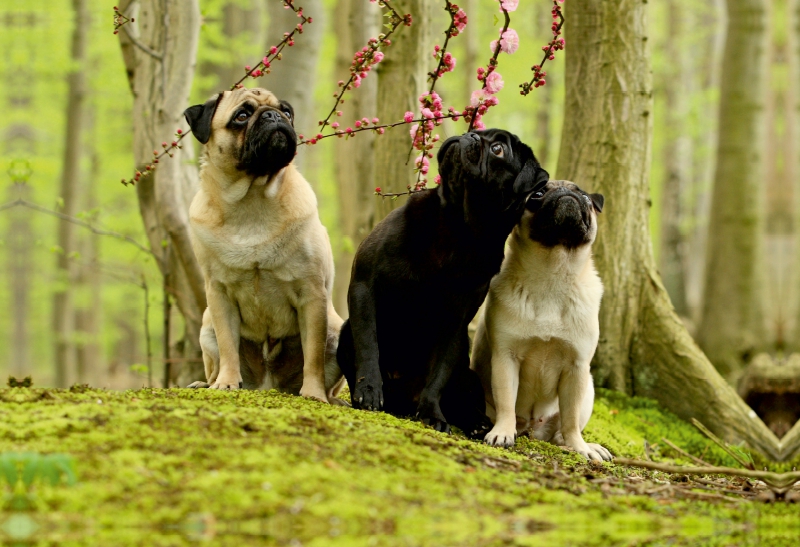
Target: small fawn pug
x=265, y=256
x=540, y=327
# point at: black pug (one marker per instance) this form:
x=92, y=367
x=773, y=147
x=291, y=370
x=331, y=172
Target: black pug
x=419, y=278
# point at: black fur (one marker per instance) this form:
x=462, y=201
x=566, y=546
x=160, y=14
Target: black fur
x=562, y=216
x=420, y=276
x=199, y=118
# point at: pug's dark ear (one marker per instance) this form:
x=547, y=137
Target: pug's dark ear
x=597, y=201
x=199, y=118
x=532, y=177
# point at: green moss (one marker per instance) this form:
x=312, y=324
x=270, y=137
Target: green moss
x=172, y=465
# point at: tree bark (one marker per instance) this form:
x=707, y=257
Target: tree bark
x=793, y=117
x=294, y=78
x=160, y=87
x=644, y=348
x=20, y=270
x=402, y=78
x=63, y=323
x=356, y=22
x=732, y=328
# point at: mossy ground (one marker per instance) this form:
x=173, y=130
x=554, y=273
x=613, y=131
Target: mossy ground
x=170, y=467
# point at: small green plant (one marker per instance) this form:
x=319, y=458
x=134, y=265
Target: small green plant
x=21, y=470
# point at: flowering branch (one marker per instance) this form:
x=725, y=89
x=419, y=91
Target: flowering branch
x=365, y=59
x=120, y=20
x=492, y=81
x=549, y=50
x=365, y=125
x=422, y=137
x=274, y=53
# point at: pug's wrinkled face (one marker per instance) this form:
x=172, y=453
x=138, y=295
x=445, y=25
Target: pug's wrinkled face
x=562, y=214
x=490, y=170
x=245, y=130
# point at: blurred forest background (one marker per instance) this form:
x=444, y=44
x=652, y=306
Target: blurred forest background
x=91, y=308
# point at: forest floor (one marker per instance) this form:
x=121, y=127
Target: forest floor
x=178, y=466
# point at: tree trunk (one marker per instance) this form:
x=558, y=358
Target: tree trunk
x=677, y=154
x=402, y=78
x=240, y=23
x=793, y=117
x=160, y=85
x=294, y=78
x=88, y=281
x=20, y=271
x=63, y=323
x=644, y=349
x=732, y=328
x=356, y=22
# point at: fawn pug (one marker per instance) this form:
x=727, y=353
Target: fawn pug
x=265, y=256
x=540, y=327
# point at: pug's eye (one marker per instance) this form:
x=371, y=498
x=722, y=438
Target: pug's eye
x=538, y=194
x=288, y=113
x=497, y=150
x=242, y=116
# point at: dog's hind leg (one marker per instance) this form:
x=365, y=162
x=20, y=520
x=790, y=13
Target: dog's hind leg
x=463, y=403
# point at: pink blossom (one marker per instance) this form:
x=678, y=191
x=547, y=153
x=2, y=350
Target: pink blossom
x=509, y=43
x=494, y=83
x=377, y=57
x=408, y=117
x=460, y=20
x=477, y=97
x=509, y=5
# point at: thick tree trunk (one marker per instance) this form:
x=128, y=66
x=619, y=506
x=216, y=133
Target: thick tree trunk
x=356, y=22
x=63, y=323
x=793, y=116
x=644, y=349
x=160, y=82
x=294, y=78
x=732, y=328
x=402, y=77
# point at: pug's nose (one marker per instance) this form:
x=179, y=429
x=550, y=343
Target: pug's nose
x=270, y=115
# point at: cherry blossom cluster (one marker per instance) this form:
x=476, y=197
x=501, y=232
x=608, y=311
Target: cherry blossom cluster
x=120, y=20
x=556, y=44
x=484, y=98
x=431, y=106
x=364, y=60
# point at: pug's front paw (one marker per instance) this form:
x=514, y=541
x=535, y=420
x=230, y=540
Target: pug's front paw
x=501, y=436
x=368, y=395
x=228, y=382
x=430, y=414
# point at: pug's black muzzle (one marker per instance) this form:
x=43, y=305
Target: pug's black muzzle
x=269, y=143
x=561, y=217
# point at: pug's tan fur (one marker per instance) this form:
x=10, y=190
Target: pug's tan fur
x=536, y=339
x=268, y=269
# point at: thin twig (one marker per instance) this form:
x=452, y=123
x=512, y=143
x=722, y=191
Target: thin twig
x=79, y=222
x=705, y=431
x=777, y=481
x=141, y=45
x=684, y=453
